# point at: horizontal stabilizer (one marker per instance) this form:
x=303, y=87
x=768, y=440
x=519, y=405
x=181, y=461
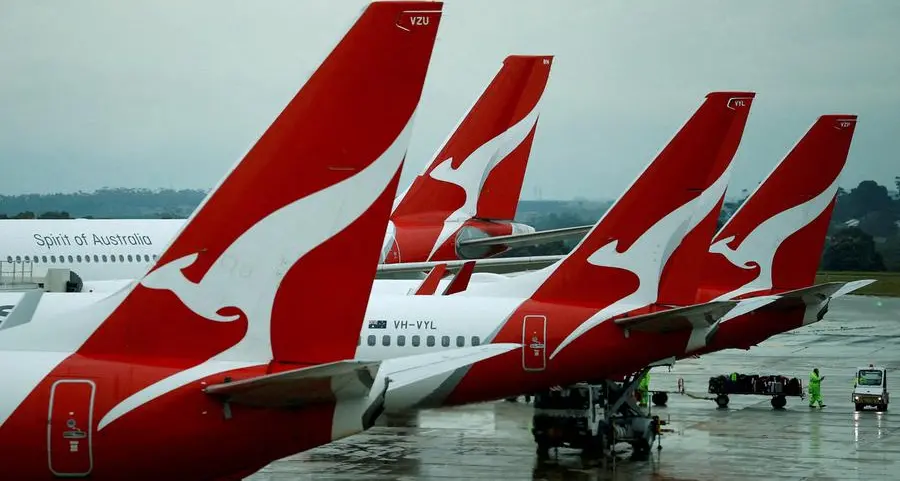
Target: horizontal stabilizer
x=495, y=265
x=852, y=286
x=701, y=316
x=302, y=387
x=407, y=370
x=747, y=305
x=528, y=239
x=816, y=294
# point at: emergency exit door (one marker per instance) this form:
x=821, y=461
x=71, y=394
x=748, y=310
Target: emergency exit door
x=69, y=427
x=534, y=343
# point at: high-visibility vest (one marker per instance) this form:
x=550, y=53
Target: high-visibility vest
x=814, y=380
x=645, y=382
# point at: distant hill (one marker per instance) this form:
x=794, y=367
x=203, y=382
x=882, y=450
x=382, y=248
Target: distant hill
x=118, y=203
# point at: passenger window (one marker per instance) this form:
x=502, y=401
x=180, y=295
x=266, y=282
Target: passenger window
x=87, y=258
x=78, y=257
x=476, y=341
x=9, y=259
x=34, y=259
x=130, y=259
x=104, y=257
x=430, y=341
x=44, y=259
x=371, y=340
x=415, y=340
x=53, y=259
x=146, y=258
x=460, y=341
x=401, y=340
x=97, y=259
x=155, y=257
x=112, y=258
x=445, y=341
x=385, y=340
x=71, y=260
x=121, y=258
x=19, y=259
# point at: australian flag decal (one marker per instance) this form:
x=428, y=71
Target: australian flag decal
x=382, y=324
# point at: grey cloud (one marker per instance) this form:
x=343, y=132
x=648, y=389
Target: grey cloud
x=170, y=94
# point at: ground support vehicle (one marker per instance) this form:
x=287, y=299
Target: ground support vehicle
x=594, y=417
x=777, y=386
x=870, y=388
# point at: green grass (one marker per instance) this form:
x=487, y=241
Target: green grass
x=886, y=283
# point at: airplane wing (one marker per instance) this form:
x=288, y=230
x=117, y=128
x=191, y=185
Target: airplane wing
x=343, y=380
x=24, y=310
x=531, y=238
x=501, y=265
x=407, y=370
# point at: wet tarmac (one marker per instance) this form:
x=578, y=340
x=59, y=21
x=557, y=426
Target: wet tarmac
x=748, y=440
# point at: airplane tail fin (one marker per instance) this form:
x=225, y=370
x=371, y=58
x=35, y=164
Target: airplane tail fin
x=278, y=261
x=481, y=165
x=626, y=252
x=774, y=241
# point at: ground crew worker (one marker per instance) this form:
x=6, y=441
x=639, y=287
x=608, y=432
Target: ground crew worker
x=644, y=389
x=815, y=388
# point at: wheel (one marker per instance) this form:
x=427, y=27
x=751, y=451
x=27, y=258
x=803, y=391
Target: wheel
x=640, y=448
x=594, y=447
x=860, y=407
x=660, y=398
x=543, y=450
x=778, y=402
x=881, y=408
x=722, y=400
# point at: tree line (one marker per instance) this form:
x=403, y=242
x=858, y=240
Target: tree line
x=864, y=233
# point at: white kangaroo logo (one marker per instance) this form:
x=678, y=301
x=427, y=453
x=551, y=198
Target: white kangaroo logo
x=248, y=274
x=760, y=246
x=648, y=255
x=474, y=171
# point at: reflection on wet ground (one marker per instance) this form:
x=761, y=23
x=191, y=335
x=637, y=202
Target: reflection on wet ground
x=748, y=440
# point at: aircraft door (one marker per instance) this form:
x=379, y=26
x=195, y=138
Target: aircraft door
x=534, y=343
x=69, y=427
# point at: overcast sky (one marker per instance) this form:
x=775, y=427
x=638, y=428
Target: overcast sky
x=171, y=93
